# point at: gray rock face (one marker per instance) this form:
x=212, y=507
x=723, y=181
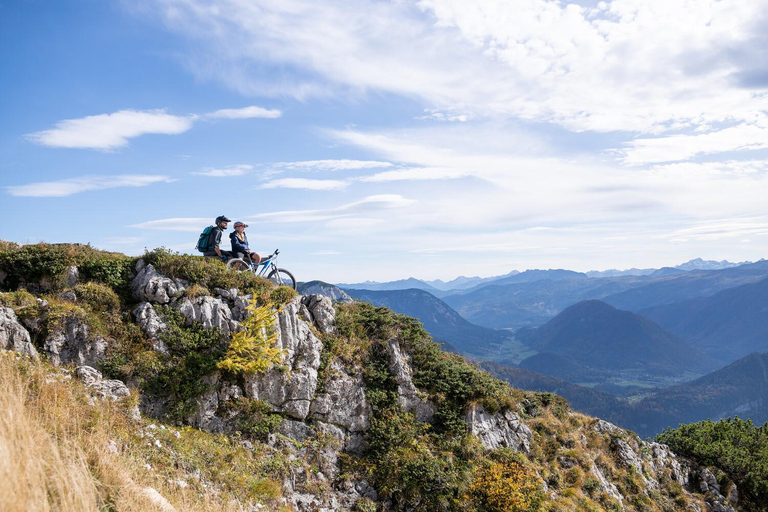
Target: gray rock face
x=72, y=276
x=151, y=323
x=343, y=401
x=605, y=485
x=499, y=430
x=321, y=310
x=408, y=395
x=104, y=389
x=13, y=335
x=211, y=312
x=240, y=307
x=292, y=388
x=628, y=456
x=151, y=286
x=75, y=344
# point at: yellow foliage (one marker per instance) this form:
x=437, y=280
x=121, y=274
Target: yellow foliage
x=253, y=350
x=508, y=487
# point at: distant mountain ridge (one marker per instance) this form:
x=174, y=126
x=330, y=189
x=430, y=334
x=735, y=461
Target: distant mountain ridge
x=438, y=318
x=599, y=336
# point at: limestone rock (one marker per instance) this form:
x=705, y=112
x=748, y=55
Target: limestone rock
x=104, y=389
x=343, y=400
x=499, y=430
x=72, y=276
x=151, y=286
x=230, y=294
x=408, y=395
x=151, y=323
x=290, y=389
x=321, y=309
x=88, y=374
x=75, y=344
x=605, y=485
x=13, y=335
x=209, y=311
x=240, y=307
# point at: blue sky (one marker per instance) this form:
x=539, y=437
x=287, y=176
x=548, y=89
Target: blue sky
x=380, y=140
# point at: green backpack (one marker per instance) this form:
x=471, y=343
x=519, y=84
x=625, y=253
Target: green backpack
x=204, y=241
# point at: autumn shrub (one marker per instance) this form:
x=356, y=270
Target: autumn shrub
x=507, y=487
x=99, y=297
x=253, y=349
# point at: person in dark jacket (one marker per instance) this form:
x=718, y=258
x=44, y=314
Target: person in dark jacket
x=240, y=246
x=214, y=240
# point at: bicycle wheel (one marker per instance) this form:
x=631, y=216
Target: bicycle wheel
x=282, y=277
x=238, y=265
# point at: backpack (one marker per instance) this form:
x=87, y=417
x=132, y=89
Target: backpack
x=204, y=241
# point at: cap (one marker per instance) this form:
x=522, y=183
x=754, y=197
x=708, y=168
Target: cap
x=238, y=224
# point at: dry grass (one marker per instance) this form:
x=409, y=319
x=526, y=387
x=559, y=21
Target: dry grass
x=55, y=451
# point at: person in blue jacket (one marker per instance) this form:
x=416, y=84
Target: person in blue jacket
x=240, y=243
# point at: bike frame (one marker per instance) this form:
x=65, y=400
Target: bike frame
x=268, y=264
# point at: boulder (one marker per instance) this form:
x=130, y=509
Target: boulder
x=408, y=395
x=151, y=286
x=499, y=430
x=75, y=344
x=152, y=324
x=342, y=402
x=291, y=387
x=72, y=276
x=104, y=389
x=209, y=311
x=321, y=309
x=13, y=335
x=240, y=307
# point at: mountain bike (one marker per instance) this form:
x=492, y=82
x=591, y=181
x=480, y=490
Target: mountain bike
x=269, y=270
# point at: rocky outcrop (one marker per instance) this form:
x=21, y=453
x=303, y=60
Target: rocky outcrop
x=76, y=344
x=334, y=293
x=210, y=312
x=151, y=286
x=409, y=397
x=290, y=387
x=321, y=312
x=499, y=430
x=151, y=323
x=13, y=335
x=342, y=402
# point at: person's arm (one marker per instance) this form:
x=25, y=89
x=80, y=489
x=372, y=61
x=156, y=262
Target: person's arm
x=216, y=243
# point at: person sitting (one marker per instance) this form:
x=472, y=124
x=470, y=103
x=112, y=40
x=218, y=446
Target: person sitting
x=240, y=246
x=214, y=240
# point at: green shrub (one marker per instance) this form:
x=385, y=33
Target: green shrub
x=98, y=297
x=735, y=446
x=253, y=418
x=193, y=353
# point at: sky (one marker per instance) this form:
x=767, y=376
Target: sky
x=378, y=140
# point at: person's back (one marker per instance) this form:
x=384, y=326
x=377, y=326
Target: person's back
x=213, y=249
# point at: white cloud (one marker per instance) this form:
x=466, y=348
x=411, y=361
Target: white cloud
x=366, y=205
x=245, y=113
x=742, y=137
x=175, y=224
x=67, y=187
x=307, y=184
x=225, y=172
x=333, y=165
x=111, y=131
x=623, y=65
x=418, y=173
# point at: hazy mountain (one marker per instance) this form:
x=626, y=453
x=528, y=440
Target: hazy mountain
x=331, y=291
x=689, y=285
x=403, y=284
x=562, y=367
x=439, y=319
x=617, y=273
x=700, y=264
x=534, y=303
x=462, y=282
x=739, y=389
x=599, y=336
x=727, y=325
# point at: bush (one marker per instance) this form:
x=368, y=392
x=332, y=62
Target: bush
x=735, y=446
x=253, y=418
x=252, y=350
x=98, y=297
x=508, y=487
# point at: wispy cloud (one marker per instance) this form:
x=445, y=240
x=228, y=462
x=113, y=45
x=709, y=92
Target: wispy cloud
x=111, y=131
x=600, y=68
x=225, y=172
x=307, y=184
x=683, y=147
x=358, y=208
x=175, y=224
x=333, y=165
x=67, y=187
x=245, y=113
x=108, y=132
